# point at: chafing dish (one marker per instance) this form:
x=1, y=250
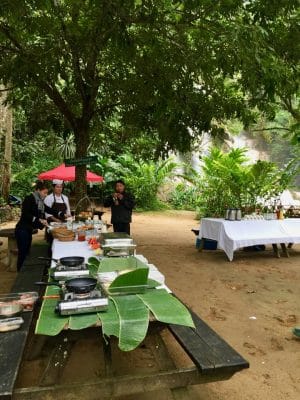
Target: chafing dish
x=117, y=245
x=118, y=250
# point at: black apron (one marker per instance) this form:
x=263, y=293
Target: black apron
x=59, y=207
x=56, y=207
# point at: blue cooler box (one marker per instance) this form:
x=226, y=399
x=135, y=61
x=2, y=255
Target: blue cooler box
x=209, y=244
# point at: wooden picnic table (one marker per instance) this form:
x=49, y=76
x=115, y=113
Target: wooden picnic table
x=211, y=359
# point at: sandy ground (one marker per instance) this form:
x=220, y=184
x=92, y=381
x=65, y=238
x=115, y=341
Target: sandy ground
x=227, y=296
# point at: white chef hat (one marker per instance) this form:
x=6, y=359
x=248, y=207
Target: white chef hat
x=57, y=182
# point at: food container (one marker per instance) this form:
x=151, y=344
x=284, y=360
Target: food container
x=118, y=242
x=10, y=324
x=115, y=235
x=10, y=308
x=118, y=250
x=14, y=303
x=117, y=245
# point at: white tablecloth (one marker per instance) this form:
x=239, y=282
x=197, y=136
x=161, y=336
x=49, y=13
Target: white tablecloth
x=70, y=249
x=232, y=235
x=75, y=248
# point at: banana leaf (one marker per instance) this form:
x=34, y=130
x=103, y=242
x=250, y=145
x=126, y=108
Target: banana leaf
x=110, y=320
x=94, y=261
x=82, y=321
x=110, y=264
x=136, y=277
x=134, y=320
x=166, y=308
x=49, y=323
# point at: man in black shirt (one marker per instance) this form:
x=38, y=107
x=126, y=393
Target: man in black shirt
x=121, y=203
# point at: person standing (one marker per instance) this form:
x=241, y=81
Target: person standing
x=32, y=217
x=122, y=204
x=57, y=201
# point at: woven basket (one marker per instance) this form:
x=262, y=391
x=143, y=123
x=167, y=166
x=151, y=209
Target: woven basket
x=66, y=238
x=64, y=235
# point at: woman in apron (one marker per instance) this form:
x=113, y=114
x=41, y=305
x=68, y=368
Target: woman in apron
x=58, y=202
x=32, y=218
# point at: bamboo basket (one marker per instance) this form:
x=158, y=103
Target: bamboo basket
x=63, y=235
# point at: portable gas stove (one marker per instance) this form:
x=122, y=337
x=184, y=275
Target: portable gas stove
x=73, y=303
x=63, y=272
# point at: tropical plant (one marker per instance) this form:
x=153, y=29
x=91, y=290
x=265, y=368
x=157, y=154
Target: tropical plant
x=228, y=180
x=184, y=197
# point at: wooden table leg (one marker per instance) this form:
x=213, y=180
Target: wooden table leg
x=276, y=250
x=57, y=362
x=107, y=356
x=284, y=250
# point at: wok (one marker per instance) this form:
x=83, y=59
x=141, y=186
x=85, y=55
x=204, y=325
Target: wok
x=66, y=261
x=75, y=285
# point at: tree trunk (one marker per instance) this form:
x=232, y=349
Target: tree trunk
x=82, y=142
x=6, y=170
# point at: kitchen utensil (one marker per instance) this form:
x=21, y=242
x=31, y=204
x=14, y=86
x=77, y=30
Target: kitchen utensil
x=67, y=261
x=75, y=285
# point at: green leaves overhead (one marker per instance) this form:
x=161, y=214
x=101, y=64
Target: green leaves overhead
x=165, y=69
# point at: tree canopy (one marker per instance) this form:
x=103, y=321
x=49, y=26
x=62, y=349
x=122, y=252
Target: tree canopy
x=168, y=70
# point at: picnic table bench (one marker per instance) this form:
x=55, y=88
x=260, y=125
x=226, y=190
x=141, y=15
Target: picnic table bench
x=9, y=233
x=12, y=343
x=212, y=358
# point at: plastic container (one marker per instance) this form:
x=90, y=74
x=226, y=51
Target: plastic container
x=10, y=324
x=209, y=244
x=14, y=303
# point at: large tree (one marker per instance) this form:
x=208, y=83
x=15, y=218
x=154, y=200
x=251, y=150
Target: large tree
x=171, y=69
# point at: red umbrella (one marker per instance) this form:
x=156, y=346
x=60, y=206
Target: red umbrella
x=68, y=174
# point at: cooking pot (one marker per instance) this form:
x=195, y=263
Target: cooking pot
x=66, y=261
x=75, y=285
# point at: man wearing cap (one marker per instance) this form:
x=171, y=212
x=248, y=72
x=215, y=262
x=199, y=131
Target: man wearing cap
x=57, y=201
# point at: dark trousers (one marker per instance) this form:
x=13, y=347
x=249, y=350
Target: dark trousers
x=122, y=227
x=24, y=239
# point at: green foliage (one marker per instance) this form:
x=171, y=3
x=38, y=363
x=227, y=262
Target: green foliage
x=184, y=197
x=158, y=68
x=227, y=181
x=30, y=158
x=142, y=178
x=116, y=73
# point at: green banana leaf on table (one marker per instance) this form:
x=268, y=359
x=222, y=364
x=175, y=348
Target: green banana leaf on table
x=127, y=316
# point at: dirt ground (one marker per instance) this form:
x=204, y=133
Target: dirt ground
x=252, y=302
